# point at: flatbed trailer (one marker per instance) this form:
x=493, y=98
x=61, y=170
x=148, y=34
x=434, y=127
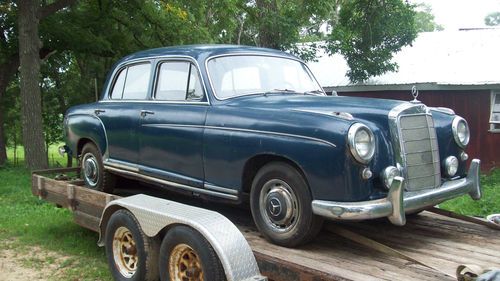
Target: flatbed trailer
x=428, y=247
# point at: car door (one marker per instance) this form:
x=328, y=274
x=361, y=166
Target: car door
x=172, y=125
x=120, y=113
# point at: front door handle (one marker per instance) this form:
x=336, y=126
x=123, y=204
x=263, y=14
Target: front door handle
x=99, y=111
x=146, y=112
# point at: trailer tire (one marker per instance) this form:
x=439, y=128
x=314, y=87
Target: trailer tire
x=94, y=175
x=280, y=201
x=184, y=252
x=132, y=256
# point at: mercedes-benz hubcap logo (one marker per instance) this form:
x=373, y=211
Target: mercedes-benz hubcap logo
x=274, y=206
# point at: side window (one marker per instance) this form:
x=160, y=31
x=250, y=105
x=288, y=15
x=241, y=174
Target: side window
x=137, y=82
x=117, y=92
x=178, y=81
x=495, y=112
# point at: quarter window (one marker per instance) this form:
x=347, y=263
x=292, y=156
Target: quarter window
x=132, y=82
x=495, y=112
x=178, y=81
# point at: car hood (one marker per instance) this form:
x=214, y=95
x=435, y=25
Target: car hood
x=360, y=108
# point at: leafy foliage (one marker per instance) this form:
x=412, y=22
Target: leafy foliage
x=424, y=19
x=369, y=32
x=492, y=19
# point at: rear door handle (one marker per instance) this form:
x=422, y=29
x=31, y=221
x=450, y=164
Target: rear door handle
x=99, y=111
x=146, y=112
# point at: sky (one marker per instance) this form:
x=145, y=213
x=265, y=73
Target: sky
x=455, y=14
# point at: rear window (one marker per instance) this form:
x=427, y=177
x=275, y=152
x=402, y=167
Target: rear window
x=132, y=82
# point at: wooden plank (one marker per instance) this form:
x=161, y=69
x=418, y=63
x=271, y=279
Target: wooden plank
x=87, y=221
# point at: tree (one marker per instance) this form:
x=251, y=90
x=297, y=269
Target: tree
x=424, y=19
x=492, y=19
x=30, y=14
x=369, y=32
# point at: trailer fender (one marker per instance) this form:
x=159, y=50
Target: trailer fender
x=155, y=214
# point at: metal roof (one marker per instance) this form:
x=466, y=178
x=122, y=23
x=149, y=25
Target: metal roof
x=436, y=60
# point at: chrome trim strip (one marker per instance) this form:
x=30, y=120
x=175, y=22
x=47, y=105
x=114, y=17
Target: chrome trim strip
x=173, y=184
x=220, y=189
x=240, y=130
x=121, y=165
x=254, y=54
x=398, y=202
x=340, y=115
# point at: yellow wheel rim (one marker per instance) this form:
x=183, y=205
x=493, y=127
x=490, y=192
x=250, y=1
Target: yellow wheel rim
x=125, y=252
x=184, y=264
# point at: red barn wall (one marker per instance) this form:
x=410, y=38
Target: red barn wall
x=473, y=105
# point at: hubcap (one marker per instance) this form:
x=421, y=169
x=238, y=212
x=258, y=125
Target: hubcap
x=125, y=252
x=90, y=169
x=279, y=205
x=184, y=264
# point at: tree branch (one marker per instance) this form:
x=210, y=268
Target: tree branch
x=54, y=7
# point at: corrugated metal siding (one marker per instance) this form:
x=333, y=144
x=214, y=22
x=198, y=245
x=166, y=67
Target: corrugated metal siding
x=473, y=105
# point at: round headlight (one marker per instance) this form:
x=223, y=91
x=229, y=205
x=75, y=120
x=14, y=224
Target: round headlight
x=451, y=165
x=361, y=142
x=461, y=131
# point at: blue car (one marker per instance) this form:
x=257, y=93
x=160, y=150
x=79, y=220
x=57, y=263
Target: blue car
x=245, y=124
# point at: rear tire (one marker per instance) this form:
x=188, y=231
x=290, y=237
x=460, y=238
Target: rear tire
x=186, y=255
x=280, y=201
x=93, y=173
x=132, y=256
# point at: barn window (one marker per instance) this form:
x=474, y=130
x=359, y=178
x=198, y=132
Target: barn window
x=495, y=112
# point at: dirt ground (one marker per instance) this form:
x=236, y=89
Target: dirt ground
x=24, y=265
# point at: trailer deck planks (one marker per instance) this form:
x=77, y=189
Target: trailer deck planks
x=439, y=241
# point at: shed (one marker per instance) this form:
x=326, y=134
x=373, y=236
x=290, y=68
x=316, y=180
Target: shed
x=455, y=69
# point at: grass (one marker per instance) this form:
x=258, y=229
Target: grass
x=27, y=223
x=489, y=203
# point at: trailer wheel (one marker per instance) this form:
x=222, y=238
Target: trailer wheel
x=280, y=201
x=94, y=175
x=186, y=255
x=132, y=256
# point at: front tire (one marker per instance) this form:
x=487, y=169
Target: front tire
x=186, y=255
x=280, y=201
x=132, y=256
x=93, y=173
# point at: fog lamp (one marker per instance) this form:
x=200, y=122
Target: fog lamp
x=451, y=166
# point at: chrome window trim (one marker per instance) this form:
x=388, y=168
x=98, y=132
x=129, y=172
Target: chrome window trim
x=242, y=130
x=254, y=54
x=154, y=60
x=157, y=73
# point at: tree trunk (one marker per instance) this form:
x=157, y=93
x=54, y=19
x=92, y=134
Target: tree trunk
x=31, y=102
x=268, y=35
x=7, y=70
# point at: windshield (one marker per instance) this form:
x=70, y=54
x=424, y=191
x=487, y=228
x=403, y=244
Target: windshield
x=234, y=76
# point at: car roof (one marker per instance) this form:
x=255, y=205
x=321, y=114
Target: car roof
x=196, y=51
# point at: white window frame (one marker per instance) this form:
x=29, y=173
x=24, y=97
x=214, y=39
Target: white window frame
x=494, y=94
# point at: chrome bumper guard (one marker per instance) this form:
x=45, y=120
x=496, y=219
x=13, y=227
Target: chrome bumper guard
x=398, y=202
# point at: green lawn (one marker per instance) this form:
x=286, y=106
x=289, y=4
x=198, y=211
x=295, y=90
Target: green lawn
x=26, y=221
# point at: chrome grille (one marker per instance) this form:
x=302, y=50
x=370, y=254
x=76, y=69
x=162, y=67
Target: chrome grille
x=420, y=152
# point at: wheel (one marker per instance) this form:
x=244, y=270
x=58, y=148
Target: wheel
x=94, y=175
x=186, y=255
x=132, y=255
x=280, y=201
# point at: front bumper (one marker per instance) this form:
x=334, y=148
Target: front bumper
x=398, y=202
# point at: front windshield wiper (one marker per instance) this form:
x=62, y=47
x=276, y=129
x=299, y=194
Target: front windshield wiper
x=315, y=93
x=276, y=91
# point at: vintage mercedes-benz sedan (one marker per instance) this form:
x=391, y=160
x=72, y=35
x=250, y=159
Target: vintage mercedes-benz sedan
x=246, y=124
